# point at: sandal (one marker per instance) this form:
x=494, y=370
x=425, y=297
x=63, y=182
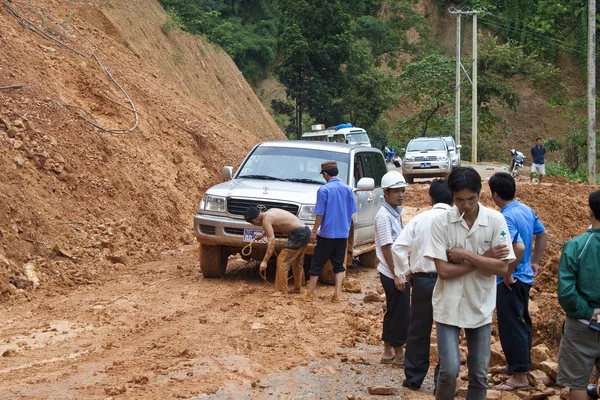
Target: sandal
x=386, y=360
x=398, y=362
x=509, y=386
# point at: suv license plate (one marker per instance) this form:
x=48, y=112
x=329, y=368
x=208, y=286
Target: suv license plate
x=249, y=234
x=425, y=165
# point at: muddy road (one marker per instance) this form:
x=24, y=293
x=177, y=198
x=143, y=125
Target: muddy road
x=158, y=330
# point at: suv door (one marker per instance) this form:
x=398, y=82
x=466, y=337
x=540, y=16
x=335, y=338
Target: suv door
x=367, y=165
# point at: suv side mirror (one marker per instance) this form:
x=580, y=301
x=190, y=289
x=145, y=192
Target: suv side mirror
x=227, y=173
x=459, y=146
x=403, y=150
x=365, y=184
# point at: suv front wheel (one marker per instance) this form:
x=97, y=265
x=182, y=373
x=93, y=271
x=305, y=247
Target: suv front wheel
x=213, y=262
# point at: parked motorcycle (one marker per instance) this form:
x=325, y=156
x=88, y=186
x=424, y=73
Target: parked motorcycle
x=517, y=163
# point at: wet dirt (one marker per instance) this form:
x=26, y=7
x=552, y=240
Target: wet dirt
x=160, y=330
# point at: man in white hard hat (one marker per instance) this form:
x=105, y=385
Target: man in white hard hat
x=388, y=225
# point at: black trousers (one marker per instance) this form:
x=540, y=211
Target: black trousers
x=397, y=313
x=514, y=325
x=416, y=360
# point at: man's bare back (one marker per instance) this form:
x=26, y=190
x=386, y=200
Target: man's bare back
x=282, y=221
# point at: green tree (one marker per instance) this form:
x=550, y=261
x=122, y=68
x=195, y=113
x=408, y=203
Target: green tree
x=368, y=91
x=429, y=83
x=389, y=37
x=314, y=44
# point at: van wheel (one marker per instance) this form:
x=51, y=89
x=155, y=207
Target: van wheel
x=213, y=263
x=369, y=259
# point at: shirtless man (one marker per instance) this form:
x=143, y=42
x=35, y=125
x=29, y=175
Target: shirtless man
x=277, y=220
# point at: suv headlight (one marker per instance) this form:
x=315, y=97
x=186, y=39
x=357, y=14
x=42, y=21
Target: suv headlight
x=409, y=159
x=307, y=212
x=212, y=203
x=442, y=158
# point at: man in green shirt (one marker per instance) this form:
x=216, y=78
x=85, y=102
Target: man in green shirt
x=579, y=296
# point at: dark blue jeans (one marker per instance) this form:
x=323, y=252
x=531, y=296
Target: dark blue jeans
x=514, y=325
x=397, y=313
x=416, y=362
x=478, y=360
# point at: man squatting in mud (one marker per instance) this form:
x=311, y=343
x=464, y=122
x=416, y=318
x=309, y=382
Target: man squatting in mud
x=277, y=220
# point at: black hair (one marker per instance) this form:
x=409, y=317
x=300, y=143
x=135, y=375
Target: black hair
x=503, y=184
x=538, y=139
x=332, y=171
x=594, y=202
x=439, y=192
x=251, y=213
x=464, y=178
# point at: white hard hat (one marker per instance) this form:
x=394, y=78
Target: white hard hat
x=393, y=179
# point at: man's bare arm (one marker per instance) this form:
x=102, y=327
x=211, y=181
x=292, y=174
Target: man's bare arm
x=541, y=240
x=313, y=233
x=519, y=249
x=448, y=270
x=270, y=234
x=490, y=265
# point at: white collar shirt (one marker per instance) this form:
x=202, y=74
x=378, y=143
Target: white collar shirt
x=467, y=301
x=388, y=225
x=416, y=234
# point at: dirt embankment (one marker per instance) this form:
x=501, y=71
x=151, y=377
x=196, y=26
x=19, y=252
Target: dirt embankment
x=71, y=196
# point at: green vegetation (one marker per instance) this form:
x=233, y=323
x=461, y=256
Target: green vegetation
x=339, y=60
x=173, y=22
x=545, y=27
x=327, y=53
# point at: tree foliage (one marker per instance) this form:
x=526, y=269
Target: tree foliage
x=545, y=27
x=245, y=29
x=429, y=83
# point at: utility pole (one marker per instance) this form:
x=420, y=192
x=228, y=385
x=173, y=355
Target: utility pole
x=591, y=95
x=457, y=84
x=474, y=91
x=459, y=65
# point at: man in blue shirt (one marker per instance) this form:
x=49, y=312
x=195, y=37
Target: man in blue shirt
x=537, y=153
x=334, y=208
x=512, y=298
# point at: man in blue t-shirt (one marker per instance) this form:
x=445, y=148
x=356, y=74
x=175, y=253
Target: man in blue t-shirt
x=334, y=208
x=537, y=154
x=512, y=298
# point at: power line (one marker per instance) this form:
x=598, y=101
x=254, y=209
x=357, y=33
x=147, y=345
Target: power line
x=566, y=45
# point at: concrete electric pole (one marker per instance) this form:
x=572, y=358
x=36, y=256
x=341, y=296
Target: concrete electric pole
x=591, y=95
x=473, y=81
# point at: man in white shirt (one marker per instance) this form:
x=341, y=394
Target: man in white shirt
x=388, y=225
x=464, y=296
x=422, y=276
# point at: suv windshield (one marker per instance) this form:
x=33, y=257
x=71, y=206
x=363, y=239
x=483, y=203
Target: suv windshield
x=449, y=143
x=426, y=145
x=291, y=164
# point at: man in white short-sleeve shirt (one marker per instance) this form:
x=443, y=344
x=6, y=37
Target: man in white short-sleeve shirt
x=470, y=245
x=422, y=276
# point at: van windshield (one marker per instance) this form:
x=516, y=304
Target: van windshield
x=426, y=145
x=283, y=163
x=358, y=138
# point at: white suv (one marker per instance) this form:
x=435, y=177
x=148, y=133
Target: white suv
x=426, y=157
x=453, y=150
x=286, y=175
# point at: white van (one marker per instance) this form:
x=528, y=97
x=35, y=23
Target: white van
x=348, y=135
